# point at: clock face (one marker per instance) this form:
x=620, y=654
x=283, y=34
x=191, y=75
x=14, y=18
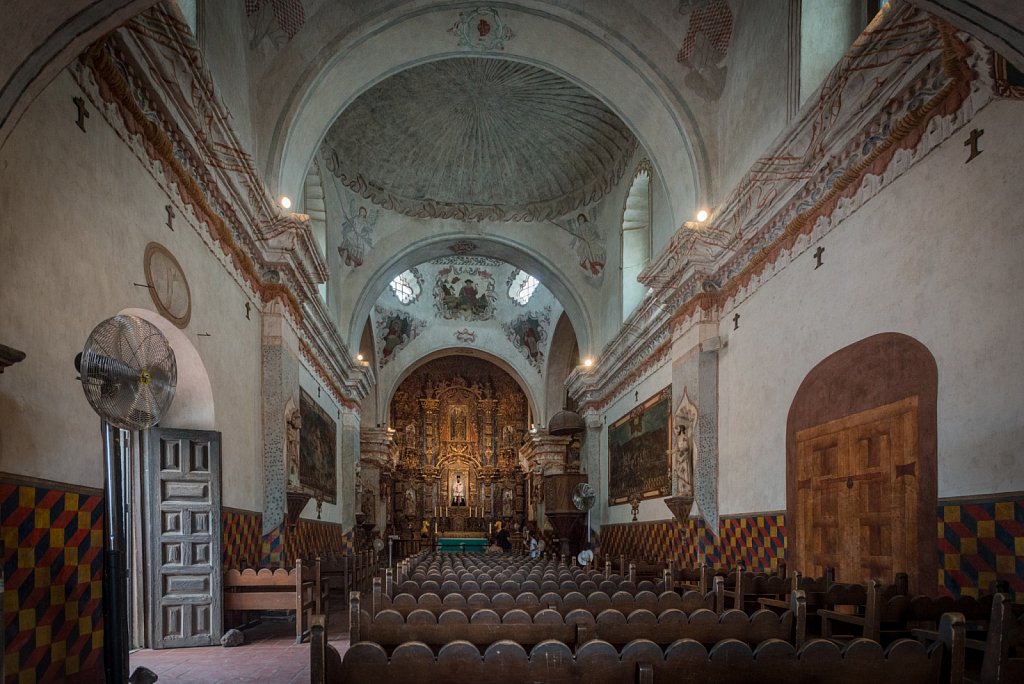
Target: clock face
x=167, y=285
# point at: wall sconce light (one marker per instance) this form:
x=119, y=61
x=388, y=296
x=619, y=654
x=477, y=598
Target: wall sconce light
x=588, y=362
x=285, y=201
x=702, y=216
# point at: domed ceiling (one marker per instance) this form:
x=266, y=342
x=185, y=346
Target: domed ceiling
x=478, y=139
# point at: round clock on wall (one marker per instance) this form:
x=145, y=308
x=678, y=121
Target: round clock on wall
x=167, y=285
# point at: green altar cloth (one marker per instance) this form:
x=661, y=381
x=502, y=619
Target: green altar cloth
x=465, y=544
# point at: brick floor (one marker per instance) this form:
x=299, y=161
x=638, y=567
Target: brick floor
x=268, y=656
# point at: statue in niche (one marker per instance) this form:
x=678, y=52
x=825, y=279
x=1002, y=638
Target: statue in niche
x=682, y=449
x=369, y=505
x=458, y=492
x=508, y=435
x=294, y=425
x=410, y=502
x=506, y=503
x=459, y=419
x=410, y=435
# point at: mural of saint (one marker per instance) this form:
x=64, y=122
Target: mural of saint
x=356, y=235
x=466, y=293
x=528, y=333
x=588, y=242
x=395, y=330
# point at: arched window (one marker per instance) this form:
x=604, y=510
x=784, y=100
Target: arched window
x=406, y=286
x=827, y=30
x=636, y=237
x=521, y=287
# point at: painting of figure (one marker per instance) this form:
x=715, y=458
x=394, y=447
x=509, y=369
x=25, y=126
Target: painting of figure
x=465, y=293
x=395, y=329
x=317, y=449
x=639, y=458
x=528, y=332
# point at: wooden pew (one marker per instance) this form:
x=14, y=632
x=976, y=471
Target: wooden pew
x=1002, y=649
x=867, y=619
x=643, y=661
x=617, y=624
x=299, y=589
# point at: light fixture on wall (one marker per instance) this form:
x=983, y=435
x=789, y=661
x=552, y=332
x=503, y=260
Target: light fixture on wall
x=359, y=357
x=285, y=201
x=702, y=216
x=588, y=362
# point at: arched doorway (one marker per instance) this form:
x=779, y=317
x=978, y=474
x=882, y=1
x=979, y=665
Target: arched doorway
x=861, y=464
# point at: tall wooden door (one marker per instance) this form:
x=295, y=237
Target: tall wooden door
x=857, y=491
x=183, y=507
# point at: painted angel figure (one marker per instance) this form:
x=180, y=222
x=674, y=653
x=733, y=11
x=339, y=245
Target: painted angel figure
x=356, y=234
x=588, y=242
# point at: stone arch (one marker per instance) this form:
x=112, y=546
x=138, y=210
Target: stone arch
x=387, y=393
x=581, y=47
x=875, y=372
x=636, y=236
x=192, y=407
x=490, y=246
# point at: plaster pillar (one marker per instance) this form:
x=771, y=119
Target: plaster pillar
x=375, y=460
x=348, y=475
x=280, y=394
x=592, y=462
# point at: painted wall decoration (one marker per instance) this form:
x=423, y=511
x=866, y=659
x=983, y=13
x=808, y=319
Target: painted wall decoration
x=275, y=20
x=705, y=46
x=356, y=233
x=462, y=247
x=464, y=292
x=481, y=29
x=528, y=332
x=639, y=447
x=587, y=240
x=466, y=336
x=318, y=445
x=395, y=329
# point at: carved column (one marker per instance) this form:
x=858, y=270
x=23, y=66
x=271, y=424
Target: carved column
x=348, y=437
x=429, y=409
x=542, y=455
x=487, y=413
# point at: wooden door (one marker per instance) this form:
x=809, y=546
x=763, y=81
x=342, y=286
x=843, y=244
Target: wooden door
x=857, y=489
x=183, y=507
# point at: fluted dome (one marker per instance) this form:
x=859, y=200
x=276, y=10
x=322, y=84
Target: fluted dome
x=476, y=139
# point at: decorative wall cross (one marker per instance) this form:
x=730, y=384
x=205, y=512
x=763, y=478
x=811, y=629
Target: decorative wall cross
x=817, y=257
x=736, y=322
x=170, y=216
x=83, y=113
x=972, y=142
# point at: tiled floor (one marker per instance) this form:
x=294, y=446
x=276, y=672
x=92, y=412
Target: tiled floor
x=268, y=656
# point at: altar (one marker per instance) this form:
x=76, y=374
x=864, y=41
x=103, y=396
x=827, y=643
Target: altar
x=470, y=542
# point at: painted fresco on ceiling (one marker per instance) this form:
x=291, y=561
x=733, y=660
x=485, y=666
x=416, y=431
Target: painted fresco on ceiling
x=481, y=29
x=275, y=20
x=317, y=447
x=464, y=292
x=706, y=46
x=639, y=448
x=587, y=240
x=395, y=329
x=356, y=233
x=528, y=333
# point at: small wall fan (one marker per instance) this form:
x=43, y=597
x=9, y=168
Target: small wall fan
x=128, y=374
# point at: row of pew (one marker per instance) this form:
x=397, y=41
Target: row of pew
x=548, y=621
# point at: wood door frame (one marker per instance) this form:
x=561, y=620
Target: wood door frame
x=876, y=371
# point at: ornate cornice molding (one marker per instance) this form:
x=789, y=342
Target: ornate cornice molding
x=149, y=82
x=823, y=167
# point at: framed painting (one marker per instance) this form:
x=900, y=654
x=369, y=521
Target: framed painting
x=317, y=448
x=640, y=451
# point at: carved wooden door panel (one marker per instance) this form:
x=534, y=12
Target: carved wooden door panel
x=184, y=537
x=857, y=490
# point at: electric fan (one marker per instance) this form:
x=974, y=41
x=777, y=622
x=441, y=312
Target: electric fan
x=128, y=374
x=583, y=497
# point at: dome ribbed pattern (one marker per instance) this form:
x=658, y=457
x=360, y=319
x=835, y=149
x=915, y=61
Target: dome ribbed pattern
x=478, y=139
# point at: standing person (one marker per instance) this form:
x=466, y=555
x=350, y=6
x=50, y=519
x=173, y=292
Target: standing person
x=503, y=540
x=534, y=548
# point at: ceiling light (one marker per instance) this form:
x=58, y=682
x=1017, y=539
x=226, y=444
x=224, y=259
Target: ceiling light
x=285, y=202
x=702, y=215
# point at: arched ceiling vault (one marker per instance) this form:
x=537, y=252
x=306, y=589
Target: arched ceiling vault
x=494, y=247
x=566, y=42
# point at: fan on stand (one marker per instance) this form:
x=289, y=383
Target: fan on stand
x=583, y=497
x=128, y=374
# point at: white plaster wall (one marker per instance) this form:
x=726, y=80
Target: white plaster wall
x=935, y=256
x=650, y=509
x=224, y=40
x=752, y=109
x=827, y=30
x=78, y=211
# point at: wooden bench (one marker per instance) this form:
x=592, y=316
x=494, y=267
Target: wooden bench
x=643, y=661
x=298, y=589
